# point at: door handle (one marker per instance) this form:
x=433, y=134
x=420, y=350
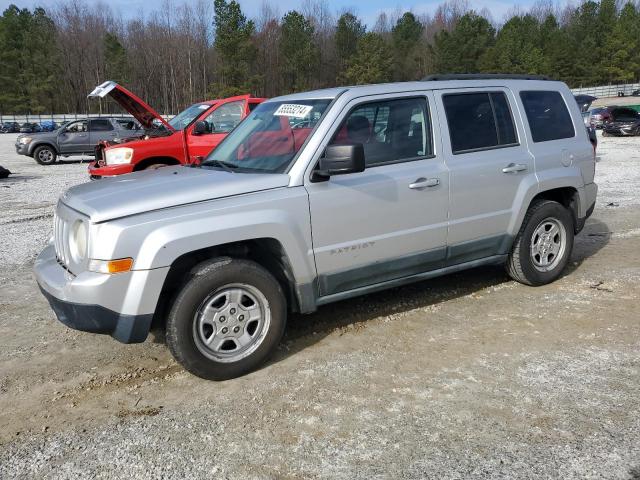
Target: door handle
x=514, y=168
x=421, y=183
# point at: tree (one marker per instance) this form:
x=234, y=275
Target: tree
x=371, y=63
x=460, y=50
x=622, y=46
x=233, y=44
x=406, y=36
x=349, y=31
x=298, y=52
x=115, y=57
x=517, y=48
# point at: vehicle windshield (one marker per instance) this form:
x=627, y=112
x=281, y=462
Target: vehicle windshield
x=185, y=117
x=269, y=138
x=625, y=115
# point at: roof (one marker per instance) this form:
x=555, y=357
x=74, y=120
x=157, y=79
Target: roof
x=434, y=82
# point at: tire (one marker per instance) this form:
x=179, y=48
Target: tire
x=155, y=166
x=539, y=255
x=45, y=155
x=238, y=307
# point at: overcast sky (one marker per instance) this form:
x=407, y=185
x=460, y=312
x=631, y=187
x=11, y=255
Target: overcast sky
x=367, y=9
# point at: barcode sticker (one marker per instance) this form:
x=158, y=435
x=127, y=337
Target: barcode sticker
x=292, y=110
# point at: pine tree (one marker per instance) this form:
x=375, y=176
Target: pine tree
x=370, y=64
x=349, y=31
x=406, y=35
x=298, y=52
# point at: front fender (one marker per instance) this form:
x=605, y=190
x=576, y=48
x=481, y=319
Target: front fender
x=157, y=239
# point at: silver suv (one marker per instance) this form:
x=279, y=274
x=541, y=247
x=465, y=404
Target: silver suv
x=321, y=196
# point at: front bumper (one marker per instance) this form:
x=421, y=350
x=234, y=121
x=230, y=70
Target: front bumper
x=97, y=171
x=22, y=148
x=120, y=305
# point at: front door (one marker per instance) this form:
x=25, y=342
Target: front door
x=75, y=138
x=389, y=221
x=220, y=121
x=486, y=152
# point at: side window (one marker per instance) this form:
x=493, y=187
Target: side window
x=252, y=106
x=479, y=121
x=225, y=118
x=100, y=125
x=548, y=116
x=390, y=131
x=127, y=124
x=76, y=127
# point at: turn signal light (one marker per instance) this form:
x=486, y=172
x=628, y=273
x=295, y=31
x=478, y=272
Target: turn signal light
x=111, y=266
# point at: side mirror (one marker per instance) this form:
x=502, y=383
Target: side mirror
x=201, y=128
x=341, y=159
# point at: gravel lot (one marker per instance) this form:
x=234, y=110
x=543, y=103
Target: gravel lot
x=466, y=376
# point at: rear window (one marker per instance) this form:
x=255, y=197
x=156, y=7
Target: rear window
x=479, y=121
x=548, y=116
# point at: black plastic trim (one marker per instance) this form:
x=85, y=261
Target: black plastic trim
x=98, y=319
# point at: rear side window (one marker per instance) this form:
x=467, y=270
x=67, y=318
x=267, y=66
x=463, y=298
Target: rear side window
x=548, y=116
x=100, y=125
x=479, y=121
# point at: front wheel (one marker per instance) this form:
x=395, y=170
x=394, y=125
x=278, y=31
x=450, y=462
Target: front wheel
x=227, y=320
x=543, y=246
x=45, y=155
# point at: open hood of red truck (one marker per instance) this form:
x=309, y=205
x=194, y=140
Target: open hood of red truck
x=131, y=103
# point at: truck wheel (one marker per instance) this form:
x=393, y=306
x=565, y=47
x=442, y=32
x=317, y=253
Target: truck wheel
x=45, y=155
x=227, y=320
x=155, y=166
x=543, y=245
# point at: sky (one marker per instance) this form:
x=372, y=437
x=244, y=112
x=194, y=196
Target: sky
x=368, y=10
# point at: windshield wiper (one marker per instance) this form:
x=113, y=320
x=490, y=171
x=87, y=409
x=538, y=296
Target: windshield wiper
x=229, y=167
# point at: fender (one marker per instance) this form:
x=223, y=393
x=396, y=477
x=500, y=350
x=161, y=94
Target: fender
x=36, y=144
x=156, y=239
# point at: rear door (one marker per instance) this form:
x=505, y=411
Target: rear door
x=489, y=163
x=101, y=129
x=389, y=221
x=220, y=121
x=75, y=138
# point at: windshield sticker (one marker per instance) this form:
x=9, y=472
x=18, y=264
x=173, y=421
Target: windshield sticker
x=203, y=107
x=294, y=111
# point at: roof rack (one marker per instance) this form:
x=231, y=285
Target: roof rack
x=482, y=76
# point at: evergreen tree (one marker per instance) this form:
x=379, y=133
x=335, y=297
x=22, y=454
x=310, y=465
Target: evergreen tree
x=349, y=31
x=622, y=46
x=298, y=52
x=460, y=50
x=371, y=63
x=406, y=35
x=517, y=48
x=115, y=57
x=234, y=46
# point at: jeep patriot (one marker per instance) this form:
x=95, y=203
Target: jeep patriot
x=321, y=196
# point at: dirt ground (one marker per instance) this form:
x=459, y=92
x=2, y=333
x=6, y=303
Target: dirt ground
x=466, y=376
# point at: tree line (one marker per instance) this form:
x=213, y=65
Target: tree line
x=187, y=52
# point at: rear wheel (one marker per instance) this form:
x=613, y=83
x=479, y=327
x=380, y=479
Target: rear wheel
x=543, y=246
x=227, y=320
x=45, y=155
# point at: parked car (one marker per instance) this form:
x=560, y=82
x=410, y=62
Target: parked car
x=600, y=116
x=185, y=139
x=78, y=137
x=48, y=126
x=308, y=201
x=30, y=128
x=623, y=122
x=10, y=127
x=635, y=93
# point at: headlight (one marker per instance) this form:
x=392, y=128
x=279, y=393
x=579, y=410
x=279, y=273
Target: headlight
x=118, y=156
x=24, y=140
x=78, y=241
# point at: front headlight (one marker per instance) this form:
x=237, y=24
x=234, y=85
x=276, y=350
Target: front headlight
x=25, y=140
x=78, y=241
x=118, y=156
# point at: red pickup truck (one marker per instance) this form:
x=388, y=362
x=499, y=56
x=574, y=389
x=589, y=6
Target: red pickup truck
x=186, y=138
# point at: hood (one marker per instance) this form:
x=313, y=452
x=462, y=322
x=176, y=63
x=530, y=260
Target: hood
x=150, y=190
x=131, y=103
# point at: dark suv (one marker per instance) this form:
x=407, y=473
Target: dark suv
x=10, y=127
x=74, y=138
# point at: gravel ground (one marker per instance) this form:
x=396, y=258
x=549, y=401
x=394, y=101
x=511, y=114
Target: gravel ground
x=466, y=376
